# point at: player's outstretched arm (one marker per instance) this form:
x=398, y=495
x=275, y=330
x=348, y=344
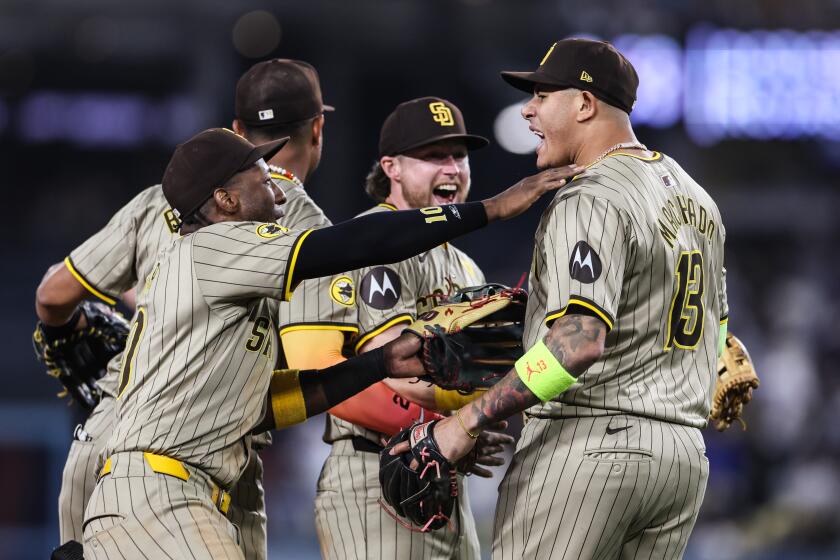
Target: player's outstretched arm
x=388, y=237
x=296, y=395
x=58, y=295
x=571, y=346
x=377, y=407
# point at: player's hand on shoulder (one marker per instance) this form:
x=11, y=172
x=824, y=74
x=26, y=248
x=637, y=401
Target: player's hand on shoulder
x=518, y=198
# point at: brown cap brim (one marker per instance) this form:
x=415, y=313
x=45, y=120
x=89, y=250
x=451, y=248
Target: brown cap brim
x=263, y=151
x=526, y=81
x=472, y=141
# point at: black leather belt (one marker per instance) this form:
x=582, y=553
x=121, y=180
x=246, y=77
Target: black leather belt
x=365, y=445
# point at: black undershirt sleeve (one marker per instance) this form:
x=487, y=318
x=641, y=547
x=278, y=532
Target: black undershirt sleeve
x=323, y=389
x=383, y=238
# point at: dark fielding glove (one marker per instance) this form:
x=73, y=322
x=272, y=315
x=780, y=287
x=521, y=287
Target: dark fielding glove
x=735, y=383
x=473, y=338
x=79, y=357
x=427, y=494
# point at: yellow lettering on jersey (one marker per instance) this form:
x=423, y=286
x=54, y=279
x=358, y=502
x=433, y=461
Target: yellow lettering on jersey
x=434, y=213
x=684, y=211
x=151, y=278
x=342, y=291
x=172, y=221
x=131, y=345
x=585, y=77
x=441, y=114
x=550, y=50
x=270, y=231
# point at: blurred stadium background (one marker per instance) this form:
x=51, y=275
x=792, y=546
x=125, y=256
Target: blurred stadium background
x=745, y=95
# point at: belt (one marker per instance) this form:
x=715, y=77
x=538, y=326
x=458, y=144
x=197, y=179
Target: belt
x=365, y=445
x=173, y=467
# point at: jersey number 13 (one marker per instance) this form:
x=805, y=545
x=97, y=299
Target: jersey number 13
x=685, y=318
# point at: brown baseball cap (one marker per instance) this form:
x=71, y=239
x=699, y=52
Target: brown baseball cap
x=594, y=66
x=424, y=121
x=279, y=91
x=207, y=161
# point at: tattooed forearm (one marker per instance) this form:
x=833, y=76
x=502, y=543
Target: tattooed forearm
x=576, y=341
x=506, y=398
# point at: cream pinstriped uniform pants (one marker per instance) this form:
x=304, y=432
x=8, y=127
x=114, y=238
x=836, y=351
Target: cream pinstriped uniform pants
x=353, y=526
x=247, y=507
x=606, y=487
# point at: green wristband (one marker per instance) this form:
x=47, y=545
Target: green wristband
x=540, y=371
x=722, y=337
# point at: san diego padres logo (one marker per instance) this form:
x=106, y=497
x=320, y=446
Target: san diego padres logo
x=342, y=291
x=270, y=231
x=442, y=113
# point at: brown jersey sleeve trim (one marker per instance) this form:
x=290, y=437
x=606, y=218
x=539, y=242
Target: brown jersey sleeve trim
x=88, y=286
x=403, y=318
x=326, y=326
x=290, y=267
x=585, y=303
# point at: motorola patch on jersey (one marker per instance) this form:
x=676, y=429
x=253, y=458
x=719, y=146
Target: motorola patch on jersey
x=380, y=288
x=585, y=265
x=342, y=291
x=270, y=231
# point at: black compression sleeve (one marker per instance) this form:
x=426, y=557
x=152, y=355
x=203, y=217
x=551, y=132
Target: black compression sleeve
x=323, y=389
x=383, y=238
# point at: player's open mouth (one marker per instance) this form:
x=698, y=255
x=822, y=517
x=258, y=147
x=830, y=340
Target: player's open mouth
x=539, y=135
x=445, y=194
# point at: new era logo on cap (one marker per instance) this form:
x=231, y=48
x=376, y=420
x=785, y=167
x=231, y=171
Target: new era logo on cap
x=266, y=115
x=585, y=77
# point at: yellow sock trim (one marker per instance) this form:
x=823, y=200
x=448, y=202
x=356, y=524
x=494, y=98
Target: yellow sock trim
x=287, y=402
x=540, y=371
x=453, y=400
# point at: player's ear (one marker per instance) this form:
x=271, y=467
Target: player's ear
x=586, y=106
x=237, y=127
x=317, y=130
x=226, y=200
x=391, y=167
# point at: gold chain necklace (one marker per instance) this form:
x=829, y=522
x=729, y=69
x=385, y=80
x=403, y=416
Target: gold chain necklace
x=622, y=146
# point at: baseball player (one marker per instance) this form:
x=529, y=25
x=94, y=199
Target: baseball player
x=126, y=249
x=627, y=294
x=203, y=343
x=423, y=162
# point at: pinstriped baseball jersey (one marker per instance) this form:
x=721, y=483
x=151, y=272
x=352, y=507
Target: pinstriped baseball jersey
x=202, y=347
x=640, y=244
x=394, y=294
x=300, y=210
x=123, y=253
x=308, y=308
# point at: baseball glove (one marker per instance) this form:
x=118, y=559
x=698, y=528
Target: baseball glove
x=473, y=338
x=736, y=380
x=79, y=357
x=427, y=494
